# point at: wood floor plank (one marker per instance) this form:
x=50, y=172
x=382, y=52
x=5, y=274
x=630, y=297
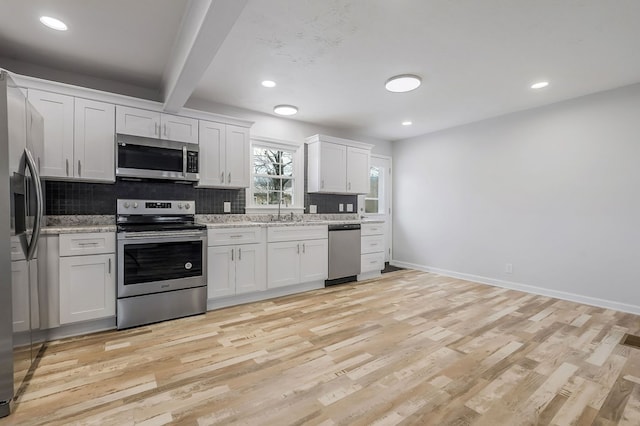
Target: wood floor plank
x=407, y=348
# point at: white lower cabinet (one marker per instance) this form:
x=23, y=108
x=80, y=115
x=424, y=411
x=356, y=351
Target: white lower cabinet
x=87, y=281
x=235, y=270
x=238, y=268
x=299, y=260
x=372, y=250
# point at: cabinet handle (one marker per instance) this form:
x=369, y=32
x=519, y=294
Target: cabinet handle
x=235, y=236
x=87, y=244
x=79, y=168
x=349, y=186
x=232, y=250
x=374, y=244
x=109, y=266
x=38, y=164
x=239, y=253
x=222, y=177
x=165, y=130
x=67, y=162
x=298, y=248
x=303, y=248
x=373, y=261
x=322, y=184
x=229, y=178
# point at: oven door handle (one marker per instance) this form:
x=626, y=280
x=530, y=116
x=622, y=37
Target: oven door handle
x=162, y=234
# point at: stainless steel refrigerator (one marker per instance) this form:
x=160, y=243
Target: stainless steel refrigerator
x=21, y=214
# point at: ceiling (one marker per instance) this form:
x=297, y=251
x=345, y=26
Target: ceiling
x=331, y=58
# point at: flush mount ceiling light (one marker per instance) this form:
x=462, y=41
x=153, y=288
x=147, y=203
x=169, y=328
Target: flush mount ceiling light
x=540, y=85
x=269, y=83
x=407, y=123
x=53, y=23
x=403, y=83
x=285, y=109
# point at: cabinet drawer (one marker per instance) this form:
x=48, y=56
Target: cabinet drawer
x=371, y=262
x=372, y=229
x=232, y=236
x=82, y=244
x=296, y=233
x=372, y=244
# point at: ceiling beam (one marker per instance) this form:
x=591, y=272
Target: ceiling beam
x=204, y=28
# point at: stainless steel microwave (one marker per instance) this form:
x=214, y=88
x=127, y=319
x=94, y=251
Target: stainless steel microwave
x=150, y=158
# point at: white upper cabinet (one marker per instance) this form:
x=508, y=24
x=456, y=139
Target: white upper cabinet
x=78, y=137
x=337, y=166
x=137, y=122
x=152, y=124
x=94, y=147
x=357, y=162
x=224, y=155
x=176, y=128
x=57, y=111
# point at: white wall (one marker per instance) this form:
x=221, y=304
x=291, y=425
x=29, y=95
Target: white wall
x=268, y=125
x=554, y=191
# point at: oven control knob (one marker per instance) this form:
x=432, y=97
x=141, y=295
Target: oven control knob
x=135, y=205
x=179, y=205
x=188, y=265
x=187, y=206
x=126, y=204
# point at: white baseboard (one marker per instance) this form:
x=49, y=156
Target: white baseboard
x=572, y=297
x=369, y=275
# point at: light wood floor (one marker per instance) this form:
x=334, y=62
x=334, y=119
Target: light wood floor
x=409, y=348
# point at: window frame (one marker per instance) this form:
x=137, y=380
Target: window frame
x=297, y=151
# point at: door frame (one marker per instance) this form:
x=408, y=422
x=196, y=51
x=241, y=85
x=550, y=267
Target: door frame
x=388, y=196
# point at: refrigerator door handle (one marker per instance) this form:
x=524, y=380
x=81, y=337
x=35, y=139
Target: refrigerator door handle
x=37, y=223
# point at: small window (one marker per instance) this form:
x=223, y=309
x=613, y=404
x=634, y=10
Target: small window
x=372, y=201
x=277, y=176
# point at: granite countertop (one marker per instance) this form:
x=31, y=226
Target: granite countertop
x=106, y=223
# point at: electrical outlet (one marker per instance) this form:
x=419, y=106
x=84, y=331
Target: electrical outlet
x=341, y=207
x=227, y=207
x=508, y=268
x=313, y=209
x=349, y=207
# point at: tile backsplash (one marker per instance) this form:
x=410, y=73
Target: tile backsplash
x=80, y=198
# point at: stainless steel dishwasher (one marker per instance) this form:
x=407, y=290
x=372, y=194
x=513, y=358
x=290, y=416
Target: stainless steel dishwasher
x=344, y=253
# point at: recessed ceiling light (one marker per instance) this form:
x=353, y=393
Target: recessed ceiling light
x=53, y=23
x=269, y=83
x=407, y=123
x=285, y=109
x=403, y=83
x=540, y=85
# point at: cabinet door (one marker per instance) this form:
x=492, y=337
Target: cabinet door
x=87, y=287
x=220, y=272
x=176, y=128
x=237, y=157
x=333, y=163
x=357, y=170
x=250, y=268
x=283, y=264
x=20, y=295
x=57, y=111
x=137, y=122
x=94, y=145
x=314, y=262
x=212, y=154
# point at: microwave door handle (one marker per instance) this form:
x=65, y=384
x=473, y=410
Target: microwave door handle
x=184, y=161
x=37, y=186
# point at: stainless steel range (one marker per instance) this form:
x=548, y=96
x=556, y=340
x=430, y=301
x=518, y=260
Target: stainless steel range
x=162, y=261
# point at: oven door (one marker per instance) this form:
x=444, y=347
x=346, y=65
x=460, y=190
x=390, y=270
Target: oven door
x=154, y=262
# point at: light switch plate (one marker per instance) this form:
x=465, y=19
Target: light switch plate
x=341, y=207
x=313, y=209
x=349, y=207
x=227, y=207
